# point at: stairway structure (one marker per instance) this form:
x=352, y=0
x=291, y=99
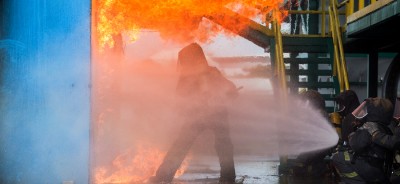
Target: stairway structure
x=321, y=64
x=314, y=71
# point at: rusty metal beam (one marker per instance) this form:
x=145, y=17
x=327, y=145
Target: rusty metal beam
x=243, y=26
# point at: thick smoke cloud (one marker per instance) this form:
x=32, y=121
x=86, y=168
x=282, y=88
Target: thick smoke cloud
x=136, y=105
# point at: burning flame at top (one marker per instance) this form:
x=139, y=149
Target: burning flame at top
x=178, y=20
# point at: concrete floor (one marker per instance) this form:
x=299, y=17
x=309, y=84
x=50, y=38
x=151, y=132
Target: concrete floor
x=249, y=170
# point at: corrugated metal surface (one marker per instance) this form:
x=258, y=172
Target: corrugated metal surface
x=45, y=94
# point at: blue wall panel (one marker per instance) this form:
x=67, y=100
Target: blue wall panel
x=45, y=91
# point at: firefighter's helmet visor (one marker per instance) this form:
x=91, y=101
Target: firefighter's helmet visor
x=339, y=107
x=361, y=111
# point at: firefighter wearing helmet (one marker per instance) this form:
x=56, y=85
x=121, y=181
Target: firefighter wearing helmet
x=203, y=93
x=370, y=157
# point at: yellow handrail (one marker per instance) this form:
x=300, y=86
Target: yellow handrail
x=339, y=66
x=280, y=65
x=340, y=45
x=349, y=8
x=360, y=4
x=340, y=61
x=323, y=12
x=336, y=66
x=280, y=71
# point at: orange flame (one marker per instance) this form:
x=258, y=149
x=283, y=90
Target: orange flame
x=178, y=20
x=135, y=167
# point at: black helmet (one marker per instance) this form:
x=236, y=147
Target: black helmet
x=191, y=59
x=347, y=101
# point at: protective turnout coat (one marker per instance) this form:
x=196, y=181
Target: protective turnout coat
x=373, y=163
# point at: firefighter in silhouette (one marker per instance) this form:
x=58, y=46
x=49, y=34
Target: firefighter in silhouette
x=203, y=93
x=370, y=157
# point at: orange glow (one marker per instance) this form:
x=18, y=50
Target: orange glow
x=134, y=167
x=178, y=20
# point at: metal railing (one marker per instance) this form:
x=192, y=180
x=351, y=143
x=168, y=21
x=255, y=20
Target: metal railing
x=323, y=11
x=280, y=65
x=339, y=64
x=339, y=68
x=355, y=5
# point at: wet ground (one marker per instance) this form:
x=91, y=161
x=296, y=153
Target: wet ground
x=249, y=170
